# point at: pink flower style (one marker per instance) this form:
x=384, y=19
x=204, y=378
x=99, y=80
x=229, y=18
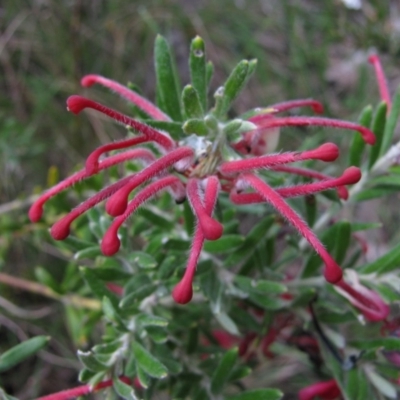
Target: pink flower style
x=197, y=168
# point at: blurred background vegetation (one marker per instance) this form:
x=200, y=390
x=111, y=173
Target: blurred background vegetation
x=305, y=48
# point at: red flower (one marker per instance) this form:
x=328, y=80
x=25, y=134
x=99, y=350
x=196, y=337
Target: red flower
x=366, y=300
x=197, y=168
x=328, y=390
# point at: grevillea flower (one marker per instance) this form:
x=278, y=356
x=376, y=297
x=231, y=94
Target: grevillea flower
x=368, y=302
x=218, y=156
x=328, y=390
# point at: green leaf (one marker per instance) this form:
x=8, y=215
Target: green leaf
x=223, y=370
x=151, y=320
x=227, y=323
x=142, y=260
x=384, y=386
x=357, y=145
x=198, y=69
x=310, y=202
x=357, y=386
x=369, y=194
x=147, y=362
x=144, y=379
x=156, y=220
x=44, y=277
x=258, y=394
x=225, y=244
x=189, y=219
x=384, y=264
x=391, y=123
x=196, y=126
x=167, y=267
x=21, y=351
x=378, y=127
x=226, y=94
x=387, y=343
x=364, y=226
x=343, y=236
x=137, y=295
x=89, y=252
x=89, y=360
x=209, y=71
x=191, y=102
x=250, y=285
x=253, y=238
x=124, y=390
x=97, y=286
x=157, y=334
x=167, y=82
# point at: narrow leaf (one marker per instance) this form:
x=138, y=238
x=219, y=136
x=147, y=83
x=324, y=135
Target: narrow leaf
x=358, y=144
x=384, y=386
x=124, y=390
x=226, y=94
x=378, y=127
x=198, y=69
x=21, y=351
x=147, y=362
x=167, y=83
x=191, y=102
x=384, y=264
x=223, y=370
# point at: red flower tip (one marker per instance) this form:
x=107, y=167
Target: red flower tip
x=351, y=175
x=342, y=192
x=211, y=228
x=317, y=107
x=76, y=104
x=367, y=135
x=327, y=152
x=89, y=80
x=110, y=243
x=373, y=58
x=35, y=212
x=183, y=291
x=332, y=272
x=61, y=229
x=116, y=205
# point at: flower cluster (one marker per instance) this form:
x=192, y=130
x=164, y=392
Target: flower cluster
x=210, y=156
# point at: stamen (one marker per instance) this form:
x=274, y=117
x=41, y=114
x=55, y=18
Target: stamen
x=332, y=271
x=350, y=176
x=117, y=204
x=316, y=106
x=145, y=105
x=61, y=229
x=183, y=291
x=111, y=243
x=380, y=77
x=92, y=162
x=36, y=210
x=327, y=152
x=211, y=228
x=276, y=122
x=342, y=191
x=76, y=104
